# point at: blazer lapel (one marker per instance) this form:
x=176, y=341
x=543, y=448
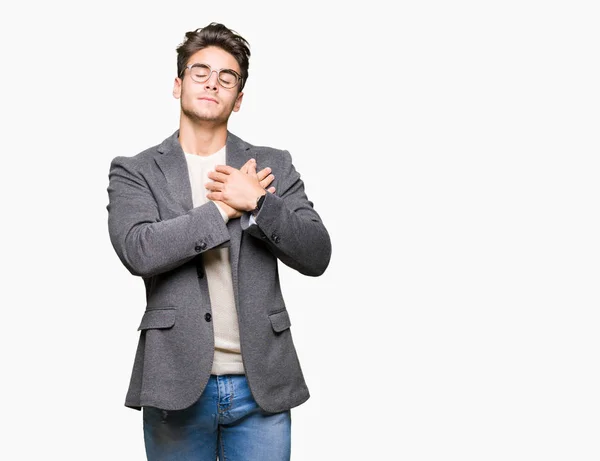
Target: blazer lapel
x=171, y=161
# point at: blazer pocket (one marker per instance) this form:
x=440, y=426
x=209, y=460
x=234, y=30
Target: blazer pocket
x=158, y=318
x=280, y=321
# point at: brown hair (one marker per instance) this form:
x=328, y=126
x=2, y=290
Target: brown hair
x=218, y=35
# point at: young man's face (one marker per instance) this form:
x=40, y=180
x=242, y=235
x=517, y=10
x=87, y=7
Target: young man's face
x=208, y=101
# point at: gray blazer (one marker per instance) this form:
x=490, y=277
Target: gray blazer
x=159, y=236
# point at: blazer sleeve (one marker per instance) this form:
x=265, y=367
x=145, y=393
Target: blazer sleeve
x=290, y=226
x=147, y=244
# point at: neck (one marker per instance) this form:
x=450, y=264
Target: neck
x=201, y=139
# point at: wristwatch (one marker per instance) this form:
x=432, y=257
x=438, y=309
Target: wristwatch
x=259, y=202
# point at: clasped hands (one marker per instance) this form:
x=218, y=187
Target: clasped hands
x=236, y=191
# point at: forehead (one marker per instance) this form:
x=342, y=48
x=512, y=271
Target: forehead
x=215, y=58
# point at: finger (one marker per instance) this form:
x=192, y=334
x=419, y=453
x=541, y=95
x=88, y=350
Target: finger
x=226, y=169
x=267, y=181
x=214, y=186
x=244, y=168
x=252, y=168
x=271, y=189
x=262, y=174
x=216, y=196
x=220, y=177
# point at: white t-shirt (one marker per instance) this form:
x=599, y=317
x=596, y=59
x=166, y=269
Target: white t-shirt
x=228, y=357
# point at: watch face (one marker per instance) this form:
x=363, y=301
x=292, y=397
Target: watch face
x=259, y=203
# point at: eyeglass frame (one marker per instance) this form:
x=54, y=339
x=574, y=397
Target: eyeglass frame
x=198, y=64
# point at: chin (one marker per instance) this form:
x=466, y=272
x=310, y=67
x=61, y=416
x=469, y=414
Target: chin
x=201, y=116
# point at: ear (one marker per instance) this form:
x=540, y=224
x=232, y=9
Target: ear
x=177, y=88
x=238, y=101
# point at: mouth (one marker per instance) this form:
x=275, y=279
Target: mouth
x=208, y=99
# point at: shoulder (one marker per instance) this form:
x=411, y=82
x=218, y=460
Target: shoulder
x=134, y=165
x=138, y=159
x=142, y=159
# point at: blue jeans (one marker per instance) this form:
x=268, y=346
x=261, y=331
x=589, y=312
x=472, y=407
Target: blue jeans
x=225, y=420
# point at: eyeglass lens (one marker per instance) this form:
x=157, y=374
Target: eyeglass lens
x=201, y=73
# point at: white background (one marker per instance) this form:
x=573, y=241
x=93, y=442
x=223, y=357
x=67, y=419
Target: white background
x=451, y=149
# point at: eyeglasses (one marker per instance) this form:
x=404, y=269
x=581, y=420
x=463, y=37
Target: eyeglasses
x=227, y=78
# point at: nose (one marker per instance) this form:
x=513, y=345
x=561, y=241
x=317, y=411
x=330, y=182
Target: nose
x=212, y=82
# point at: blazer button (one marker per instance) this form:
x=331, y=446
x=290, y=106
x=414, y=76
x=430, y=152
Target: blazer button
x=201, y=246
x=207, y=317
x=275, y=238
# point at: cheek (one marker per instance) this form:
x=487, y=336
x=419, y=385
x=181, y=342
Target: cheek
x=188, y=89
x=184, y=91
x=187, y=95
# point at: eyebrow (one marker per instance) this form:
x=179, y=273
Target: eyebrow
x=208, y=65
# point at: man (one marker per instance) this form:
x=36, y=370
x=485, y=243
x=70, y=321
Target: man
x=204, y=218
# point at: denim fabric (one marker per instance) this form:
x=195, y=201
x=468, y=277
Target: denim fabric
x=225, y=421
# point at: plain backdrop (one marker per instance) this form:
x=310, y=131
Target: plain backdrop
x=451, y=149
